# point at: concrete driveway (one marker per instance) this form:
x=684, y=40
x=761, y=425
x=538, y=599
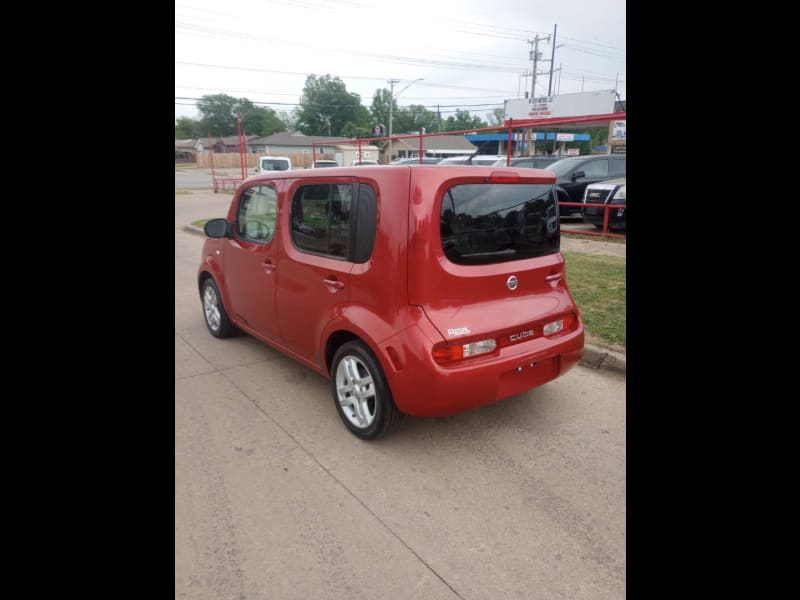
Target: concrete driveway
x=274, y=498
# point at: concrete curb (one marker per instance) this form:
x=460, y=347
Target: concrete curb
x=194, y=230
x=594, y=357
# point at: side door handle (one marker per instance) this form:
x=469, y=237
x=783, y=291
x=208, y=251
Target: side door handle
x=268, y=266
x=333, y=283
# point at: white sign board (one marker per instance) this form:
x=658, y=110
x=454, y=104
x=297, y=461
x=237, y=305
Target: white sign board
x=619, y=130
x=566, y=105
x=565, y=137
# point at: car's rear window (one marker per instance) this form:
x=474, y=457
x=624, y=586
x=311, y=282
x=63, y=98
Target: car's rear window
x=491, y=223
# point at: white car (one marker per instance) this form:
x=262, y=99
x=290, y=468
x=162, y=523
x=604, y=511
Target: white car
x=364, y=163
x=273, y=163
x=323, y=162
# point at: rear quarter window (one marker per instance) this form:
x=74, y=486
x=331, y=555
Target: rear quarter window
x=336, y=220
x=492, y=223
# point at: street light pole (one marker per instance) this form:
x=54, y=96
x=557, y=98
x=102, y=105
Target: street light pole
x=391, y=104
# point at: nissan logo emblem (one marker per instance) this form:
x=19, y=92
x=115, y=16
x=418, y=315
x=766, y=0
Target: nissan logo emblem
x=512, y=283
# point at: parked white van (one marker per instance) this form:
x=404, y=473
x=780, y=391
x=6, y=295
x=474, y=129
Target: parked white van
x=274, y=163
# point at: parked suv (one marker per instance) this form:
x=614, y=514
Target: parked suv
x=576, y=172
x=613, y=192
x=481, y=160
x=417, y=289
x=529, y=162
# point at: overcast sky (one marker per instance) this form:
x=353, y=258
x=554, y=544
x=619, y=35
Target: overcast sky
x=470, y=53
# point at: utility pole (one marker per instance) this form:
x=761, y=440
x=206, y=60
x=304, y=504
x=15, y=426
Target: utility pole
x=559, y=79
x=552, y=62
x=535, y=58
x=391, y=104
x=391, y=101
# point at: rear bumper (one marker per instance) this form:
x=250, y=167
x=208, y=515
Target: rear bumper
x=422, y=387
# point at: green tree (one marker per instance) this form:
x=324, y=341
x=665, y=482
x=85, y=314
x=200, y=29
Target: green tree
x=326, y=107
x=360, y=127
x=462, y=120
x=413, y=118
x=219, y=113
x=261, y=121
x=495, y=117
x=379, y=111
x=599, y=137
x=289, y=119
x=186, y=127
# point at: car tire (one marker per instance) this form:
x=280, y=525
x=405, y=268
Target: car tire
x=214, y=313
x=361, y=394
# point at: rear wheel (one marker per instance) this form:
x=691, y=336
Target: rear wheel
x=362, y=396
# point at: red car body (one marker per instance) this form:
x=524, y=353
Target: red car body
x=408, y=302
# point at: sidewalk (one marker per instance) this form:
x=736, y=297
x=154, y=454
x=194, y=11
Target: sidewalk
x=594, y=356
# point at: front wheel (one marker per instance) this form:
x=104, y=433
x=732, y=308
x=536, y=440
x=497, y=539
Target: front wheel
x=216, y=317
x=362, y=396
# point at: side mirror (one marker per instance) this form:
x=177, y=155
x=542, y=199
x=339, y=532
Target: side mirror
x=577, y=175
x=217, y=228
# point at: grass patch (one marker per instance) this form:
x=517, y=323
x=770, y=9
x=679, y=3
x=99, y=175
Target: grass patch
x=594, y=238
x=598, y=285
x=201, y=223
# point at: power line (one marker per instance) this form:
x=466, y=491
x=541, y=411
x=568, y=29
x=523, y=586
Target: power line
x=409, y=60
x=343, y=77
x=315, y=105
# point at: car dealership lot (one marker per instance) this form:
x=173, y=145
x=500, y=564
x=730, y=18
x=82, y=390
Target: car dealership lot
x=274, y=499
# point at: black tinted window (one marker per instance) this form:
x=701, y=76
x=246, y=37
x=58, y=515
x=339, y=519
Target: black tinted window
x=595, y=168
x=525, y=162
x=321, y=219
x=491, y=223
x=337, y=220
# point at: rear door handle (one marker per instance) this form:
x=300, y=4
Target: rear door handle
x=555, y=277
x=268, y=266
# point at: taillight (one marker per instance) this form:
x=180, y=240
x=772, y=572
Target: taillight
x=565, y=323
x=445, y=354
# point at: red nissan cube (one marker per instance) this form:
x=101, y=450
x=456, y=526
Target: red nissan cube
x=419, y=290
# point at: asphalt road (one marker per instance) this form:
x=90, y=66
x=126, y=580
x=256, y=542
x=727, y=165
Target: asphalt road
x=274, y=498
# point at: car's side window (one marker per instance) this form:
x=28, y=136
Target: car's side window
x=255, y=220
x=321, y=219
x=618, y=165
x=596, y=168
